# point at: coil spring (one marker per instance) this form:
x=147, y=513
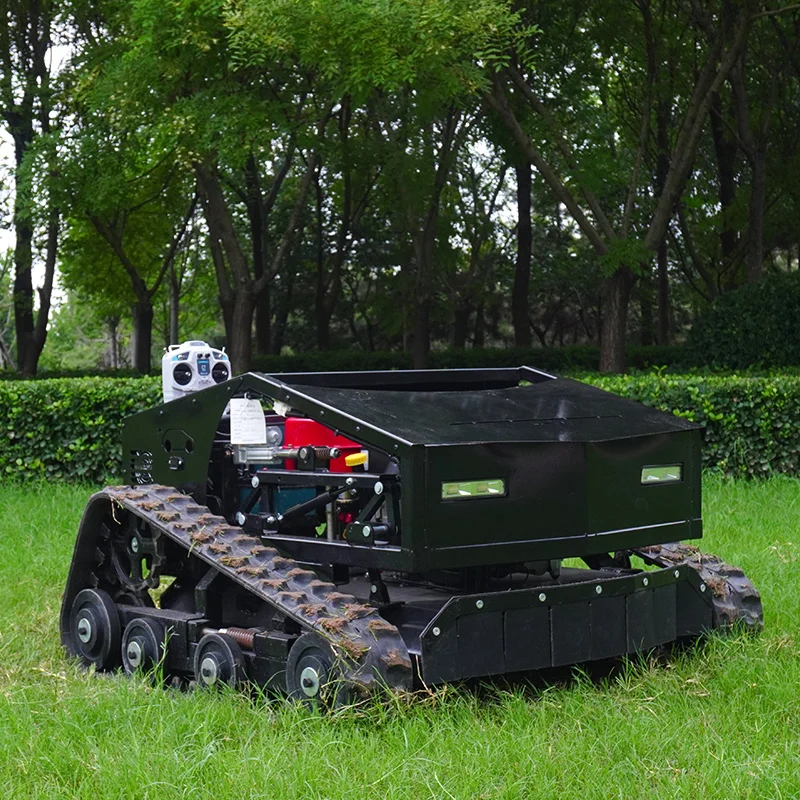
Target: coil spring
x=243, y=636
x=326, y=453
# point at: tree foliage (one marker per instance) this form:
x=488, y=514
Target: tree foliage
x=290, y=175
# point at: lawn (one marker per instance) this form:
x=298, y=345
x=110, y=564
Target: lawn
x=718, y=721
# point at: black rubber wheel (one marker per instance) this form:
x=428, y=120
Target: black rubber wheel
x=218, y=660
x=314, y=675
x=142, y=645
x=94, y=629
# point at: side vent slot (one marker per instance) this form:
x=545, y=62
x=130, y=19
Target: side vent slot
x=141, y=467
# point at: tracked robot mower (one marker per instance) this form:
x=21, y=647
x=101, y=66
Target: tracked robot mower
x=330, y=534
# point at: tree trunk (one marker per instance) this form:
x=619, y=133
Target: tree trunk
x=662, y=276
x=112, y=353
x=263, y=317
x=23, y=256
x=282, y=316
x=755, y=228
x=424, y=249
x=479, y=339
x=662, y=263
x=421, y=341
x=646, y=322
x=725, y=148
x=174, y=307
x=460, y=326
x=615, y=298
x=6, y=358
x=23, y=294
x=522, y=268
x=239, y=333
x=237, y=295
x=25, y=100
x=141, y=338
x=258, y=240
x=323, y=326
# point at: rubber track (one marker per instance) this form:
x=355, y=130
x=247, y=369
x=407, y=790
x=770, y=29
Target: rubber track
x=371, y=651
x=735, y=599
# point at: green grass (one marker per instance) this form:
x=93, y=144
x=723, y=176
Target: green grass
x=718, y=721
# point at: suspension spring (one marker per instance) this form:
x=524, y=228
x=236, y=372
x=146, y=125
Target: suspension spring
x=243, y=636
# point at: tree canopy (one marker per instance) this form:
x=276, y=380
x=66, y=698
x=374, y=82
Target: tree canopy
x=397, y=175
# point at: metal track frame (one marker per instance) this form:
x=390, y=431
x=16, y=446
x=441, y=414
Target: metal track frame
x=370, y=650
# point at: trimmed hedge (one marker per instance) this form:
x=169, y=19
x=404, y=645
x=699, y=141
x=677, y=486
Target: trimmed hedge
x=752, y=424
x=756, y=325
x=69, y=429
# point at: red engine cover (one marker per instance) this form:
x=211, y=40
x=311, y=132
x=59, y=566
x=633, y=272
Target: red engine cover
x=301, y=432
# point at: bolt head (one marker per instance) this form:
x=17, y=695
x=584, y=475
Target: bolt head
x=366, y=531
x=84, y=630
x=373, y=589
x=542, y=597
x=309, y=682
x=677, y=573
x=134, y=653
x=645, y=581
x=134, y=545
x=378, y=487
x=436, y=631
x=479, y=604
x=240, y=518
x=254, y=482
x=702, y=587
x=598, y=589
x=209, y=670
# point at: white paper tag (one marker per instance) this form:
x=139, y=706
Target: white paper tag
x=247, y=422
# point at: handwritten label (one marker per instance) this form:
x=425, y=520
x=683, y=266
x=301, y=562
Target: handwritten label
x=247, y=422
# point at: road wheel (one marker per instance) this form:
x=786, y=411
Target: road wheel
x=314, y=674
x=95, y=629
x=143, y=645
x=218, y=660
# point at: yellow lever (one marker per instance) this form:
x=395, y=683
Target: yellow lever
x=355, y=459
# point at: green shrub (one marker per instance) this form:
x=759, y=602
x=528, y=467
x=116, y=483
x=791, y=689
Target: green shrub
x=68, y=429
x=752, y=424
x=757, y=325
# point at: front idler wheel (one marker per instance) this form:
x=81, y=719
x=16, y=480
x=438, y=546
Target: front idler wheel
x=95, y=629
x=143, y=645
x=313, y=674
x=218, y=660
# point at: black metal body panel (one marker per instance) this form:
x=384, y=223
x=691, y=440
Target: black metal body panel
x=571, y=456
x=552, y=410
x=556, y=625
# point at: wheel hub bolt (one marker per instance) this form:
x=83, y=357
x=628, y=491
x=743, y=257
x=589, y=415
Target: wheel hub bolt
x=84, y=630
x=134, y=545
x=134, y=653
x=309, y=681
x=208, y=670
